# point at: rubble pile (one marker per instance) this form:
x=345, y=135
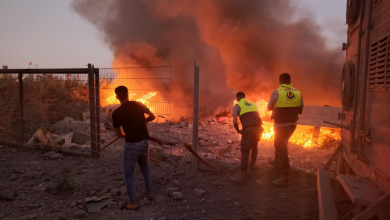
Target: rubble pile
x=219, y=140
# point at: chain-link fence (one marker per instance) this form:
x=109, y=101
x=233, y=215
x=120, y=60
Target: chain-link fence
x=70, y=110
x=45, y=108
x=152, y=87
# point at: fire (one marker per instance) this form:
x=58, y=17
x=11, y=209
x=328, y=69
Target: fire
x=145, y=97
x=112, y=99
x=268, y=134
x=303, y=135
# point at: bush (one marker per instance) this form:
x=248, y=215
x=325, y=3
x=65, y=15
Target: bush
x=46, y=99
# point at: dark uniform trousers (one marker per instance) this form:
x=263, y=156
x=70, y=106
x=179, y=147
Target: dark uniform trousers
x=282, y=135
x=250, y=137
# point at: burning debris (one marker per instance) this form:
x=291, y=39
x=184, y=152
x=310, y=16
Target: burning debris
x=112, y=100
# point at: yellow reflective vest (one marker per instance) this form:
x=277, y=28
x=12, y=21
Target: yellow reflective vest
x=246, y=106
x=288, y=97
x=249, y=114
x=288, y=104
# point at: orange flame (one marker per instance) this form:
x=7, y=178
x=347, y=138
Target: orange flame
x=303, y=135
x=113, y=100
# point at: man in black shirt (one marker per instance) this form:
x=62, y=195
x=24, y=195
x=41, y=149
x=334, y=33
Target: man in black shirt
x=131, y=117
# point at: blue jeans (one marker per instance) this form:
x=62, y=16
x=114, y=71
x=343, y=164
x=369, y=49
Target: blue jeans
x=133, y=153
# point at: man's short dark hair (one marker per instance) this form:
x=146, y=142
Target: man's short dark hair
x=285, y=78
x=122, y=93
x=240, y=95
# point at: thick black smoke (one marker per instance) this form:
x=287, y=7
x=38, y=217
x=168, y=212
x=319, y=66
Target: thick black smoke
x=239, y=45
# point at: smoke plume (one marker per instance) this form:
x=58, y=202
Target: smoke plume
x=239, y=46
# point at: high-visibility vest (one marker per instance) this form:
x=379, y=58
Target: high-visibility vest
x=246, y=106
x=249, y=113
x=288, y=104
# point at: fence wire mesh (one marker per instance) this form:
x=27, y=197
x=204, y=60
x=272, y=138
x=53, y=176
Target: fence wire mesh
x=59, y=110
x=10, y=111
x=209, y=194
x=152, y=87
x=45, y=110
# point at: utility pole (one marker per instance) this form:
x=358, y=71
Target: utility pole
x=195, y=118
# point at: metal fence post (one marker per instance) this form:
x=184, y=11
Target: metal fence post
x=195, y=119
x=92, y=115
x=97, y=89
x=20, y=78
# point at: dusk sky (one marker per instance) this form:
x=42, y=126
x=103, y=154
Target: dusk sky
x=51, y=34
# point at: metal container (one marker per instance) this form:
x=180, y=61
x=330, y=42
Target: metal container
x=365, y=90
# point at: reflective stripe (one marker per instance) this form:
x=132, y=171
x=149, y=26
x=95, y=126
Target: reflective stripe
x=288, y=97
x=246, y=106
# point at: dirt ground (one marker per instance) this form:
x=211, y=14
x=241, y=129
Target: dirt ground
x=37, y=185
x=34, y=180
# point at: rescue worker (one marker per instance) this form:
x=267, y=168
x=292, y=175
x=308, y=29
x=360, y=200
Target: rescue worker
x=251, y=132
x=286, y=104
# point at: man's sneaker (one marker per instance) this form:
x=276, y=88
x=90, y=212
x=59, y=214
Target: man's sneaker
x=240, y=179
x=284, y=180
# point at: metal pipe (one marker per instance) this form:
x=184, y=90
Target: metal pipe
x=195, y=119
x=353, y=146
x=45, y=71
x=347, y=127
x=97, y=91
x=92, y=114
x=20, y=78
x=362, y=111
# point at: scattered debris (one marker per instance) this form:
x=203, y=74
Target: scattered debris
x=199, y=192
x=176, y=182
x=97, y=198
x=171, y=190
x=81, y=138
x=177, y=195
x=44, y=137
x=95, y=206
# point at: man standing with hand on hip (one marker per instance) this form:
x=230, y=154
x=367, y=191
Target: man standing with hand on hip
x=131, y=117
x=286, y=104
x=251, y=133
